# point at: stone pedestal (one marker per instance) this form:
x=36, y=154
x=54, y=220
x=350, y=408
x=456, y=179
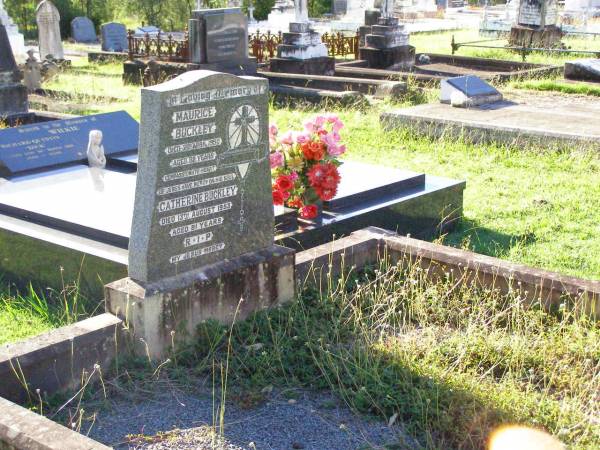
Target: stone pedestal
x=534, y=37
x=13, y=99
x=386, y=46
x=167, y=313
x=302, y=51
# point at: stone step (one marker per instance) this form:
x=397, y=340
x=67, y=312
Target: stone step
x=377, y=88
x=345, y=98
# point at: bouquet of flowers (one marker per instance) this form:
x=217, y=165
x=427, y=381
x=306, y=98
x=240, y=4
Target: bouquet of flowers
x=304, y=165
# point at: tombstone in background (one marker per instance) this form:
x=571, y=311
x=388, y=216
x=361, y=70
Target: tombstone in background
x=583, y=69
x=48, y=22
x=32, y=73
x=339, y=7
x=83, y=30
x=371, y=18
x=219, y=41
x=13, y=95
x=17, y=41
x=114, y=37
x=386, y=47
x=467, y=91
x=201, y=244
x=150, y=30
x=302, y=50
x=536, y=25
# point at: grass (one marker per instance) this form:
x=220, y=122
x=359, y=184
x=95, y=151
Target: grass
x=447, y=360
x=558, y=85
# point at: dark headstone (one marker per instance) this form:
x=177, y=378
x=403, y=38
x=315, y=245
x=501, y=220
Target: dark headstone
x=83, y=30
x=340, y=7
x=114, y=37
x=372, y=16
x=583, y=69
x=13, y=95
x=38, y=146
x=203, y=190
x=219, y=35
x=472, y=91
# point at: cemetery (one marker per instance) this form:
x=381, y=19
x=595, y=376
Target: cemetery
x=299, y=225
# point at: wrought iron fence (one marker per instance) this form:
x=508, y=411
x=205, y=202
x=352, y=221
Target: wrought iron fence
x=162, y=46
x=339, y=44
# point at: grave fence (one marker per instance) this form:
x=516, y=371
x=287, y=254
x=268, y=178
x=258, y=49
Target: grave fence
x=262, y=45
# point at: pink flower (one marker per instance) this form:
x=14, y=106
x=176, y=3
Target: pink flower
x=337, y=126
x=301, y=138
x=294, y=176
x=331, y=118
x=276, y=160
x=328, y=139
x=310, y=126
x=336, y=150
x=320, y=121
x=287, y=138
x=273, y=130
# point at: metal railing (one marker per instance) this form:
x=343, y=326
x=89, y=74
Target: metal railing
x=162, y=46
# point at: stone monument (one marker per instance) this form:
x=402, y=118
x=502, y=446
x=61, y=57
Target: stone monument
x=32, y=73
x=468, y=91
x=386, y=46
x=583, y=69
x=536, y=25
x=17, y=41
x=48, y=22
x=114, y=37
x=302, y=50
x=219, y=41
x=13, y=94
x=201, y=244
x=83, y=30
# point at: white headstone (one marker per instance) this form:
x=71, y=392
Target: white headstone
x=17, y=42
x=48, y=22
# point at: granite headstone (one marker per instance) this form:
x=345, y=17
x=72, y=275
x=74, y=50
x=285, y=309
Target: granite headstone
x=203, y=190
x=468, y=90
x=48, y=22
x=114, y=37
x=219, y=36
x=38, y=146
x=583, y=69
x=83, y=30
x=13, y=95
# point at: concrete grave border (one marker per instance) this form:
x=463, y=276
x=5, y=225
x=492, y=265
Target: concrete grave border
x=90, y=346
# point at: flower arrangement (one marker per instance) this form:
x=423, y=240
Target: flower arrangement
x=304, y=165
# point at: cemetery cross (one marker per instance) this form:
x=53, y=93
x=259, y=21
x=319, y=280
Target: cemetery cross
x=301, y=7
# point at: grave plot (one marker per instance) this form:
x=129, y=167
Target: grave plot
x=542, y=120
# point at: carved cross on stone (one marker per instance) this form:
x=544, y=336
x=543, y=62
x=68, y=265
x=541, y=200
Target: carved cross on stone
x=301, y=7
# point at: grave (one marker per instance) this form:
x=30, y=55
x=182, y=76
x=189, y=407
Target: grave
x=524, y=120
x=114, y=37
x=219, y=41
x=48, y=21
x=83, y=30
x=13, y=94
x=17, y=41
x=41, y=146
x=468, y=91
x=583, y=69
x=202, y=231
x=386, y=43
x=302, y=50
x=536, y=25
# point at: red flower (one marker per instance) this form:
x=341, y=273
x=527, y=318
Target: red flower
x=284, y=182
x=313, y=150
x=278, y=197
x=296, y=202
x=325, y=193
x=309, y=211
x=324, y=176
x=332, y=177
x=316, y=174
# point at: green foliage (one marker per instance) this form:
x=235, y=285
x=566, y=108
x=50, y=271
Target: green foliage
x=262, y=8
x=316, y=8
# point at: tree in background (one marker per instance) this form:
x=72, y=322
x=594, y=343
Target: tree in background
x=262, y=8
x=316, y=8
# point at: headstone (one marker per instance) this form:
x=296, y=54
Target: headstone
x=468, y=90
x=17, y=41
x=48, y=22
x=340, y=7
x=203, y=193
x=13, y=95
x=32, y=73
x=83, y=30
x=38, y=146
x=114, y=37
x=219, y=41
x=583, y=69
x=538, y=13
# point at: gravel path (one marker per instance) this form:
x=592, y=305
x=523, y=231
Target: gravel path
x=177, y=420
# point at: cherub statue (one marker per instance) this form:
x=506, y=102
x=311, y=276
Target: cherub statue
x=95, y=150
x=33, y=73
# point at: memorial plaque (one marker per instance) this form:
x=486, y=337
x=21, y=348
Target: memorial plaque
x=472, y=86
x=83, y=30
x=114, y=37
x=203, y=190
x=33, y=147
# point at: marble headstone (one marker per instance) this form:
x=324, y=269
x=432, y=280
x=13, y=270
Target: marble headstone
x=83, y=30
x=114, y=37
x=203, y=190
x=539, y=13
x=468, y=90
x=48, y=22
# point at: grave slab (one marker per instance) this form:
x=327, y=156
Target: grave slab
x=583, y=69
x=545, y=122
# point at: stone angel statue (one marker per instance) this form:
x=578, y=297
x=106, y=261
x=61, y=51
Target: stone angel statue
x=95, y=150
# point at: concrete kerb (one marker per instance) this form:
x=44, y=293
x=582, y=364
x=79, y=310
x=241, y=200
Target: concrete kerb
x=91, y=345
